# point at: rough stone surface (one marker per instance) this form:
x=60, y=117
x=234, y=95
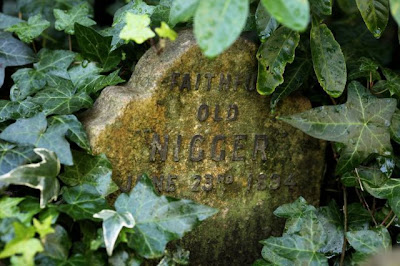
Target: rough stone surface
x=285, y=165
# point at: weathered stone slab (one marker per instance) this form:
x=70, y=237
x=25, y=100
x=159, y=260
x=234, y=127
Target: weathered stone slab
x=199, y=128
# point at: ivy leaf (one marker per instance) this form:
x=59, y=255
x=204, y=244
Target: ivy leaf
x=23, y=243
x=51, y=67
x=137, y=7
x=358, y=217
x=375, y=14
x=364, y=68
x=392, y=82
x=93, y=170
x=321, y=7
x=137, y=28
x=301, y=248
x=9, y=207
x=96, y=47
x=43, y=228
x=63, y=99
x=13, y=53
x=82, y=202
x=266, y=24
x=166, y=32
x=41, y=175
x=27, y=31
x=328, y=59
x=295, y=75
x=217, y=24
x=370, y=241
x=159, y=219
x=182, y=11
x=65, y=20
x=7, y=21
x=294, y=14
x=273, y=55
x=76, y=133
x=394, y=127
x=88, y=78
x=112, y=225
x=161, y=12
x=122, y=257
x=57, y=244
x=15, y=110
x=34, y=131
x=395, y=10
x=348, y=7
x=362, y=125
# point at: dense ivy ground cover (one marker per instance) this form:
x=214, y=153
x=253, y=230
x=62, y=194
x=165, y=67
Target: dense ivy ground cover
x=56, y=57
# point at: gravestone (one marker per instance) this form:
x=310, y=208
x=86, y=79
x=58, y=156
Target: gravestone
x=201, y=131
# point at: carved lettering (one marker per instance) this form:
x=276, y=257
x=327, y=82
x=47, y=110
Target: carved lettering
x=238, y=146
x=200, y=155
x=198, y=82
x=171, y=187
x=233, y=112
x=203, y=112
x=174, y=81
x=225, y=82
x=177, y=148
x=209, y=77
x=260, y=145
x=216, y=114
x=185, y=83
x=221, y=155
x=157, y=147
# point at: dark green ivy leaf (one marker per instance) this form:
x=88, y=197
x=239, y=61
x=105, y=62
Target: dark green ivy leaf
x=88, y=78
x=159, y=219
x=370, y=241
x=392, y=82
x=63, y=99
x=217, y=24
x=96, y=47
x=362, y=125
x=34, y=131
x=295, y=75
x=92, y=170
x=375, y=14
x=50, y=70
x=329, y=63
x=364, y=68
x=27, y=31
x=266, y=24
x=13, y=53
x=82, y=202
x=13, y=156
x=321, y=8
x=395, y=126
x=65, y=20
x=76, y=133
x=15, y=110
x=182, y=11
x=7, y=21
x=42, y=176
x=273, y=55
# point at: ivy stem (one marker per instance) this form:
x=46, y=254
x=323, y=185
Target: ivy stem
x=364, y=202
x=20, y=15
x=69, y=42
x=387, y=217
x=391, y=221
x=34, y=46
x=345, y=226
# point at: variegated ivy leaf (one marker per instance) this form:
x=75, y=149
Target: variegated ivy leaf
x=65, y=20
x=63, y=99
x=395, y=10
x=7, y=21
x=41, y=175
x=13, y=156
x=182, y=11
x=273, y=55
x=375, y=14
x=361, y=124
x=112, y=224
x=266, y=24
x=159, y=219
x=51, y=67
x=27, y=31
x=35, y=131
